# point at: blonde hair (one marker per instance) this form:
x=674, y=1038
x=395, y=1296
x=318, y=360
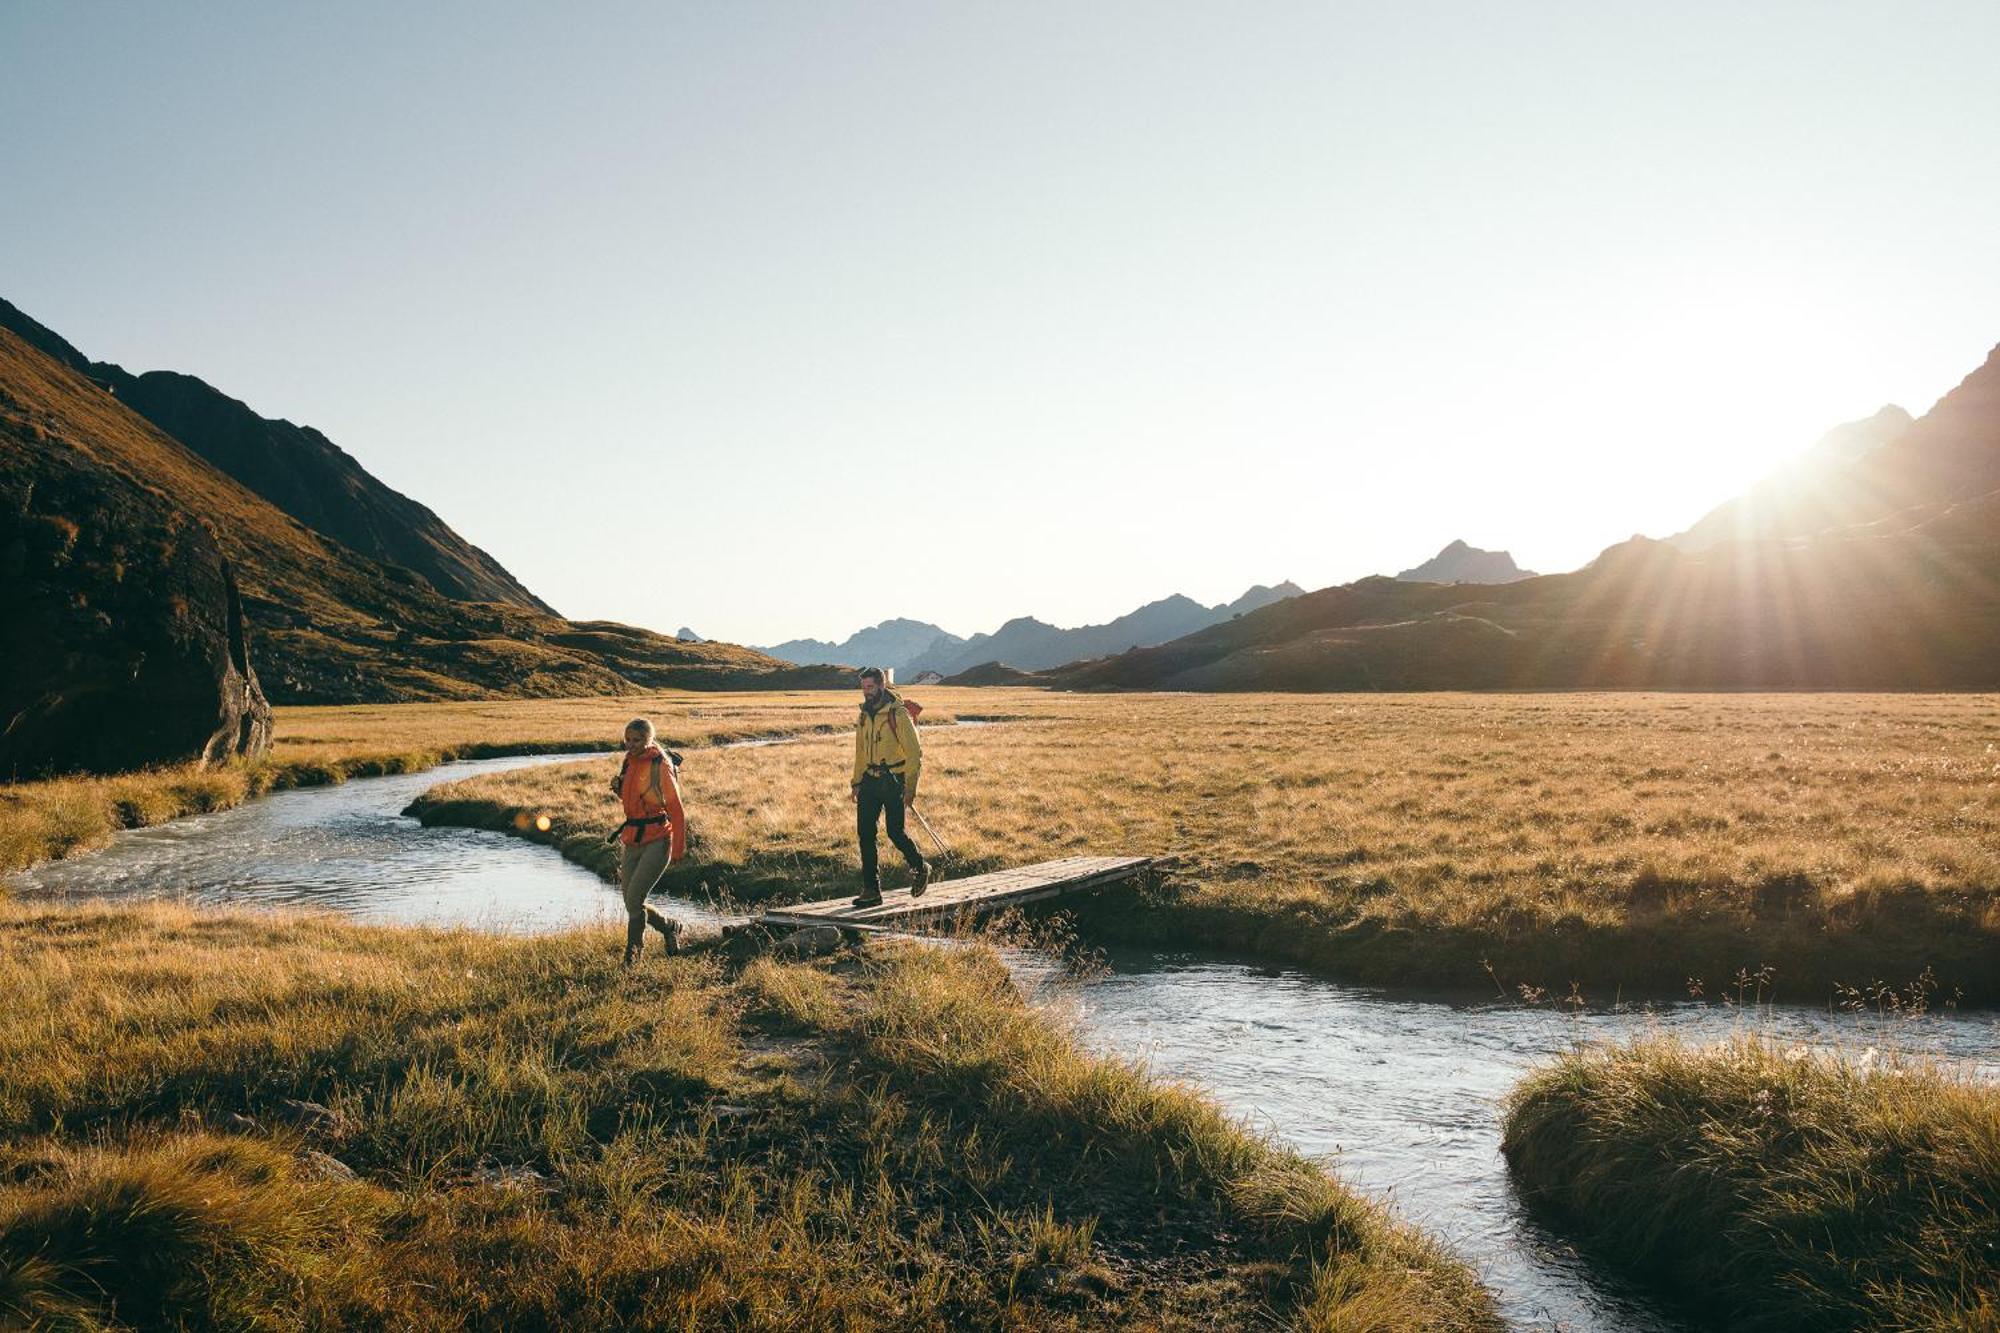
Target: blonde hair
x=640, y=724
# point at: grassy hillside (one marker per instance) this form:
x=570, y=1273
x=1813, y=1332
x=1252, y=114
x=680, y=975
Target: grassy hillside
x=218, y=1121
x=330, y=626
x=1774, y=1189
x=1616, y=840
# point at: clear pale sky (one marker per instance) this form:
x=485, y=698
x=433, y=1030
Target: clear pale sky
x=968, y=311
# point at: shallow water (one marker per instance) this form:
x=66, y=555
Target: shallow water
x=349, y=848
x=1400, y=1094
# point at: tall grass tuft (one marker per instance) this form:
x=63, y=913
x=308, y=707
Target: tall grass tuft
x=1773, y=1188
x=165, y=1233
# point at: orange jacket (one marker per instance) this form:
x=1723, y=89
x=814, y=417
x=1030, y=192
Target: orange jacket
x=648, y=788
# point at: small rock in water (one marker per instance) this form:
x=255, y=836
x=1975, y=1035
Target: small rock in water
x=810, y=942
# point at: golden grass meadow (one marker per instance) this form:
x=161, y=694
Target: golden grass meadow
x=1632, y=841
x=216, y=1120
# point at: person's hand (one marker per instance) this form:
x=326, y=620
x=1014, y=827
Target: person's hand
x=909, y=801
x=854, y=795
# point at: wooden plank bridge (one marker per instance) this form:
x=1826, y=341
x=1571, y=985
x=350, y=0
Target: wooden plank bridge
x=953, y=900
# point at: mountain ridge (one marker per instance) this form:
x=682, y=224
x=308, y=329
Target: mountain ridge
x=1903, y=593
x=914, y=647
x=1813, y=493
x=1029, y=644
x=297, y=469
x=890, y=643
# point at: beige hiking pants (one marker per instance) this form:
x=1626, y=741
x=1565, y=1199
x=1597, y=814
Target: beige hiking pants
x=638, y=871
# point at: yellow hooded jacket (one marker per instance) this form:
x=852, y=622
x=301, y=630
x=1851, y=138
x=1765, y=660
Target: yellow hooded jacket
x=888, y=738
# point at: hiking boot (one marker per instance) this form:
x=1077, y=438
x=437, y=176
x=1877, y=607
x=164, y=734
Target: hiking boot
x=872, y=898
x=670, y=931
x=920, y=879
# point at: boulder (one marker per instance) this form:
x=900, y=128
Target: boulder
x=324, y=1166
x=121, y=629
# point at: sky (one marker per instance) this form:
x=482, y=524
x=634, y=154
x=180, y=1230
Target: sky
x=777, y=320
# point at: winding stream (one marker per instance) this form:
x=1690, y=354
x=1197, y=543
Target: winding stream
x=1400, y=1093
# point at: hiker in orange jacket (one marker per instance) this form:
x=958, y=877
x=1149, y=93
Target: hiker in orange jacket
x=888, y=760
x=654, y=833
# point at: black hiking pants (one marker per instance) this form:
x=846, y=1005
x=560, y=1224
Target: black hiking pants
x=882, y=794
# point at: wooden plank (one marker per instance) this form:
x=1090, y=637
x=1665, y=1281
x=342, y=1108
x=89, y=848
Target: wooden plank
x=975, y=895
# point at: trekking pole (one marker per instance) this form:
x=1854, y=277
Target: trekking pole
x=936, y=841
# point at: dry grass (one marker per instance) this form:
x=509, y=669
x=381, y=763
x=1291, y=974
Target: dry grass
x=516, y=1133
x=315, y=746
x=515, y=726
x=1616, y=839
x=1770, y=1188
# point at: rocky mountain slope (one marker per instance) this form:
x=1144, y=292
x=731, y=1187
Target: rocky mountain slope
x=122, y=634
x=1888, y=579
x=299, y=470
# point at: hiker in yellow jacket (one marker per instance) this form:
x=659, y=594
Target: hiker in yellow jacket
x=888, y=759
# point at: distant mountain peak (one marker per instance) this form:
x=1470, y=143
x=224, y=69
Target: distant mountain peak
x=895, y=642
x=1032, y=644
x=1460, y=562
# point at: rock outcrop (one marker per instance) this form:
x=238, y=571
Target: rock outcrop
x=120, y=618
